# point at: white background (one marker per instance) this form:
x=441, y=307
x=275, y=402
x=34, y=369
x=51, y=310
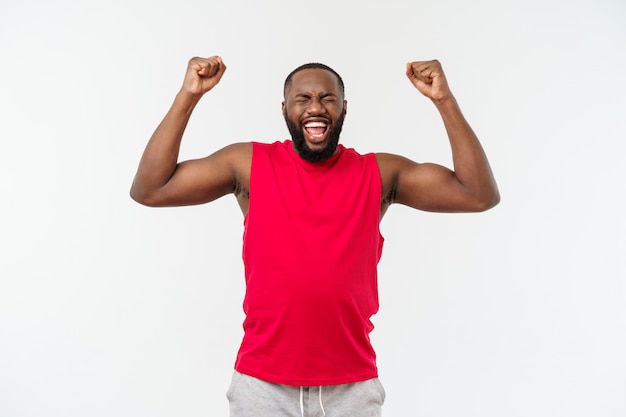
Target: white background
x=109, y=308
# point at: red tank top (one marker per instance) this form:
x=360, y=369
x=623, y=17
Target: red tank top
x=311, y=246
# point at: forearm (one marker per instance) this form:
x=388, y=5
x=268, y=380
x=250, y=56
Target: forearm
x=160, y=156
x=471, y=165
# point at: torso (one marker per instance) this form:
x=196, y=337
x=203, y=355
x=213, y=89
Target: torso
x=241, y=189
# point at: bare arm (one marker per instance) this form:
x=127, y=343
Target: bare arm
x=161, y=180
x=470, y=187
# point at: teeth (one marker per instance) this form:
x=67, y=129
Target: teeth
x=315, y=124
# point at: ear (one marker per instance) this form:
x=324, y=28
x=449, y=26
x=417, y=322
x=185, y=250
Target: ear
x=345, y=107
x=283, y=109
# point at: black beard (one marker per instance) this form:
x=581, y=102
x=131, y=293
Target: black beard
x=308, y=154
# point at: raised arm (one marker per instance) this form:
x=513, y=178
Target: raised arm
x=469, y=187
x=161, y=180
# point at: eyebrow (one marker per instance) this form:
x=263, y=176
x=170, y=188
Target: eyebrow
x=307, y=94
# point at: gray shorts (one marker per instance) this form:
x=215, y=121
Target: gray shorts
x=252, y=397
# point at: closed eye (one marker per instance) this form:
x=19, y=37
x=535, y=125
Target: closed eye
x=302, y=98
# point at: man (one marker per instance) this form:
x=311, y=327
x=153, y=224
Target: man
x=311, y=242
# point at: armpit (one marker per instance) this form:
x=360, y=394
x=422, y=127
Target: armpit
x=240, y=191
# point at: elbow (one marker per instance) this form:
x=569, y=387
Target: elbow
x=488, y=202
x=142, y=198
x=137, y=197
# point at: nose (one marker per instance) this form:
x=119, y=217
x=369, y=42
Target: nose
x=315, y=106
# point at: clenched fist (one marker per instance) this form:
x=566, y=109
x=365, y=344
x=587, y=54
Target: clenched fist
x=203, y=74
x=429, y=79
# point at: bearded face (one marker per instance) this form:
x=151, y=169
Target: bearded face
x=315, y=155
x=314, y=110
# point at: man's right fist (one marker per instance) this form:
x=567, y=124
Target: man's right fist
x=203, y=74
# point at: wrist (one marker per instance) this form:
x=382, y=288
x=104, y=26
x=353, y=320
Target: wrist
x=443, y=97
x=445, y=102
x=186, y=100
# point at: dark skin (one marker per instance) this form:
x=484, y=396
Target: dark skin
x=314, y=96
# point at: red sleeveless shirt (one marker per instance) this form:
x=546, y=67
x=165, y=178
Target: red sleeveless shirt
x=311, y=246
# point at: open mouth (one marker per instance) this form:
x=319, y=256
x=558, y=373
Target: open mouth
x=316, y=130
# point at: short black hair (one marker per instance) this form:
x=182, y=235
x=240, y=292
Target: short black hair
x=312, y=65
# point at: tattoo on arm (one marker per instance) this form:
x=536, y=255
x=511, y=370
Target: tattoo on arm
x=391, y=196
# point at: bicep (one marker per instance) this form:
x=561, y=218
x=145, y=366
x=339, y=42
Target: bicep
x=424, y=186
x=203, y=180
x=431, y=187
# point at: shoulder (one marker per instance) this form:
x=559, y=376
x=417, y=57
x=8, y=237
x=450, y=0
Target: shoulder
x=234, y=158
x=235, y=153
x=238, y=149
x=391, y=165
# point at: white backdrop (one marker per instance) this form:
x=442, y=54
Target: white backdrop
x=108, y=308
